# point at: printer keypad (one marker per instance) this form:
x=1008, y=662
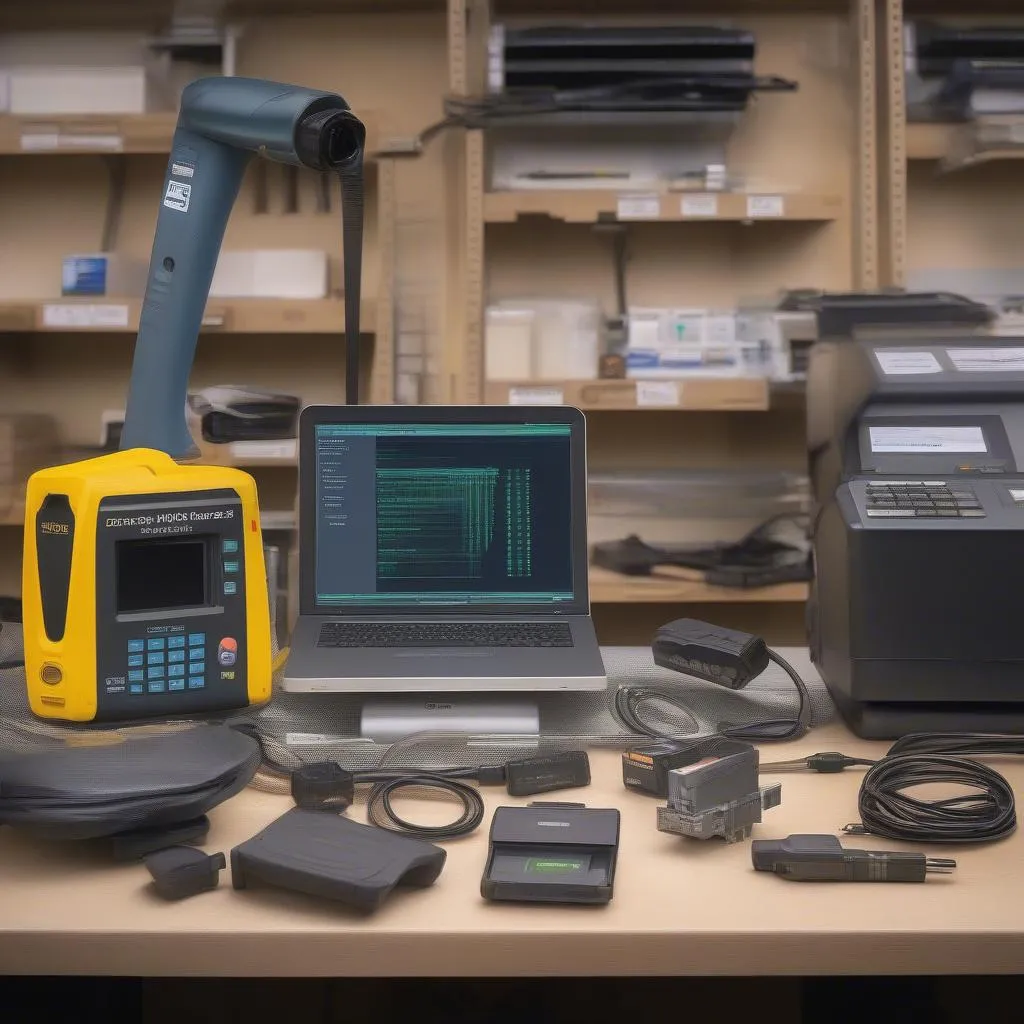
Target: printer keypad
x=923, y=499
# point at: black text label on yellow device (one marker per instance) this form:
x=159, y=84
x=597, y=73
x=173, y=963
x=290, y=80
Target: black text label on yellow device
x=55, y=539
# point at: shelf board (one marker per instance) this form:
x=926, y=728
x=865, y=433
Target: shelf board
x=251, y=454
x=585, y=206
x=60, y=134
x=666, y=587
x=929, y=141
x=696, y=394
x=223, y=316
x=950, y=144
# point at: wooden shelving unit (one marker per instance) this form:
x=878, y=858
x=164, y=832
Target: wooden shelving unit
x=945, y=209
x=56, y=178
x=587, y=206
x=697, y=394
x=664, y=588
x=133, y=134
x=109, y=315
x=813, y=226
x=812, y=160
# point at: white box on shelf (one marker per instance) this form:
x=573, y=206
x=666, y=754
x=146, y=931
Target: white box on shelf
x=270, y=274
x=58, y=90
x=566, y=340
x=102, y=273
x=647, y=328
x=508, y=343
x=686, y=326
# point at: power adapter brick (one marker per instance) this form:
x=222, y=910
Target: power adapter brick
x=546, y=774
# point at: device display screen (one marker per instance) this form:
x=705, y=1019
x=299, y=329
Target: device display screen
x=436, y=515
x=159, y=575
x=920, y=440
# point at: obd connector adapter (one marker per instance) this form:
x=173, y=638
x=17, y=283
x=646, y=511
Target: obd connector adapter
x=717, y=795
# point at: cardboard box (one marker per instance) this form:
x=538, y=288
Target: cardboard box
x=102, y=274
x=55, y=90
x=270, y=274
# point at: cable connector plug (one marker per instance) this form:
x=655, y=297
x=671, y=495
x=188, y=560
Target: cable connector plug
x=323, y=787
x=819, y=858
x=491, y=775
x=825, y=762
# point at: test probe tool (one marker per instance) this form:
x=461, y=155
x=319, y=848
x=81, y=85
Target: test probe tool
x=144, y=585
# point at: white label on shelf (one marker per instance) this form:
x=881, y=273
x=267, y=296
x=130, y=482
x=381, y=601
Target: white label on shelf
x=657, y=392
x=535, y=396
x=639, y=206
x=287, y=449
x=40, y=140
x=766, y=206
x=987, y=360
x=699, y=206
x=67, y=314
x=906, y=362
x=1016, y=494
x=177, y=196
x=114, y=143
x=913, y=440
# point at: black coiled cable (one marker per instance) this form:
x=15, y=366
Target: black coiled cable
x=629, y=700
x=381, y=812
x=888, y=808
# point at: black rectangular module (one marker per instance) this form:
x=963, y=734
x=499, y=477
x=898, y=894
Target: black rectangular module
x=552, y=853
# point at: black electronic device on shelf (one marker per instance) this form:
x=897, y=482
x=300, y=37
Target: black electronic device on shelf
x=916, y=453
x=231, y=412
x=840, y=314
x=957, y=73
x=651, y=68
x=937, y=49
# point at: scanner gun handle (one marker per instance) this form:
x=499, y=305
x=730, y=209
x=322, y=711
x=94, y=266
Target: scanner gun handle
x=222, y=124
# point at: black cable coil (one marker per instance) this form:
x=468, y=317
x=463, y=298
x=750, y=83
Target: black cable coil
x=887, y=808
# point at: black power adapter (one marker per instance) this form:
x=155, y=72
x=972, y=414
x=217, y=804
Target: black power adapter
x=719, y=655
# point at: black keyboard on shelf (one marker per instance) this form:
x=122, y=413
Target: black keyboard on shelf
x=445, y=634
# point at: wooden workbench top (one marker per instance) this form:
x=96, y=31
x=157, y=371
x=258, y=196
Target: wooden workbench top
x=680, y=906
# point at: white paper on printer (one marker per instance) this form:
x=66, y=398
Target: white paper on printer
x=913, y=440
x=906, y=362
x=987, y=360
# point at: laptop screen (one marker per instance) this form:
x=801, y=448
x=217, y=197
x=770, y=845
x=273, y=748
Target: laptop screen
x=442, y=514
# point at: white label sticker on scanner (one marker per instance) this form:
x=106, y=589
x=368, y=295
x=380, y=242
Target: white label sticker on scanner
x=987, y=360
x=905, y=362
x=178, y=195
x=914, y=440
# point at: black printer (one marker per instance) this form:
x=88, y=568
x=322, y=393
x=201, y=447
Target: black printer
x=916, y=453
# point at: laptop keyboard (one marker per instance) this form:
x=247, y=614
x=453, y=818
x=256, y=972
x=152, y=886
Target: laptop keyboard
x=445, y=634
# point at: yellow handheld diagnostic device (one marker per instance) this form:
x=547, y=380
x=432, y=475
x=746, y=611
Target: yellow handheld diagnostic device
x=144, y=590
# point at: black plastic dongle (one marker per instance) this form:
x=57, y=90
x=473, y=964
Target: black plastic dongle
x=323, y=787
x=547, y=774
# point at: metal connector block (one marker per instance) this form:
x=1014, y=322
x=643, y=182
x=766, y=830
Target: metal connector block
x=733, y=821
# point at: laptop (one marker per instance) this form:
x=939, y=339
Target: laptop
x=442, y=550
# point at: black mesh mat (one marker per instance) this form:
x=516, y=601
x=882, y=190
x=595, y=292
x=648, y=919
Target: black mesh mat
x=295, y=729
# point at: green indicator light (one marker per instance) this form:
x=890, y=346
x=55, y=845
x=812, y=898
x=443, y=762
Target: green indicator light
x=536, y=866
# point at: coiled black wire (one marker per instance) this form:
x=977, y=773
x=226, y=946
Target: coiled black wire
x=628, y=700
x=381, y=813
x=388, y=781
x=887, y=808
